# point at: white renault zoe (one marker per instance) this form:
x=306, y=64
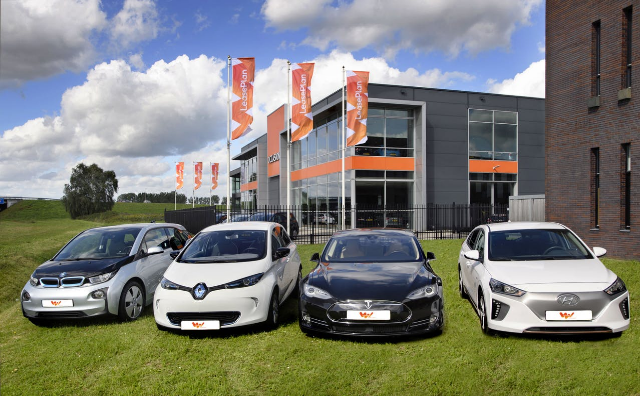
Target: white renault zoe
x=229, y=275
x=531, y=277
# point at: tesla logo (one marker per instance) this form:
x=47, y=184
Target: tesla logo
x=566, y=315
x=365, y=315
x=55, y=303
x=197, y=325
x=367, y=303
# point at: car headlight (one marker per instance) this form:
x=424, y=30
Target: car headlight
x=616, y=287
x=244, y=282
x=425, y=291
x=502, y=288
x=312, y=291
x=102, y=278
x=33, y=280
x=167, y=284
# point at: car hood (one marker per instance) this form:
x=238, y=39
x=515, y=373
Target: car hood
x=212, y=274
x=370, y=281
x=86, y=268
x=550, y=271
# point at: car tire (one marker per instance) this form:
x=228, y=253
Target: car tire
x=482, y=313
x=131, y=302
x=273, y=316
x=463, y=293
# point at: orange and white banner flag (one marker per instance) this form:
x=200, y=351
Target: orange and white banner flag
x=357, y=107
x=301, y=114
x=243, y=70
x=179, y=175
x=198, y=175
x=214, y=175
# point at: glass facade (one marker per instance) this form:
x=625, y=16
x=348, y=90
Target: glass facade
x=493, y=135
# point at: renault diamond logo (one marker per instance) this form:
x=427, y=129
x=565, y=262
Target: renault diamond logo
x=199, y=291
x=367, y=303
x=568, y=299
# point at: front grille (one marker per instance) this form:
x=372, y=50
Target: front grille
x=62, y=314
x=370, y=329
x=399, y=312
x=624, y=308
x=72, y=281
x=225, y=318
x=567, y=330
x=50, y=282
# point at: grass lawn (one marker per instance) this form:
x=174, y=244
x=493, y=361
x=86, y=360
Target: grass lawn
x=103, y=356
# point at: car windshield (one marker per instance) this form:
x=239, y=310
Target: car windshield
x=226, y=246
x=259, y=217
x=527, y=245
x=371, y=248
x=99, y=243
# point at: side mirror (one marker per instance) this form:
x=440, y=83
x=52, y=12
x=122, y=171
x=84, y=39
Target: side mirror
x=315, y=257
x=154, y=250
x=282, y=252
x=599, y=252
x=174, y=254
x=431, y=256
x=472, y=255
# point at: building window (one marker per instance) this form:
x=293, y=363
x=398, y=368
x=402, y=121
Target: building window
x=491, y=188
x=595, y=187
x=625, y=187
x=627, y=24
x=389, y=133
x=493, y=135
x=595, y=58
x=248, y=170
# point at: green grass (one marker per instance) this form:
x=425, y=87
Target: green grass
x=103, y=356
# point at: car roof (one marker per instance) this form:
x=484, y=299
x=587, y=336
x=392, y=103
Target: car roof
x=372, y=231
x=243, y=225
x=525, y=225
x=140, y=226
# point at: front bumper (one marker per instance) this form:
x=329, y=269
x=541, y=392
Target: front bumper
x=411, y=317
x=232, y=307
x=526, y=314
x=84, y=305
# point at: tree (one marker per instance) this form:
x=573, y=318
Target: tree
x=215, y=199
x=90, y=190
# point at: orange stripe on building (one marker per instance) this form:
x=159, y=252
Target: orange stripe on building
x=275, y=124
x=371, y=163
x=249, y=186
x=487, y=166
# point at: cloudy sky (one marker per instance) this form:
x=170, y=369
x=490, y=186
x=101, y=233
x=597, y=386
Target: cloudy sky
x=136, y=85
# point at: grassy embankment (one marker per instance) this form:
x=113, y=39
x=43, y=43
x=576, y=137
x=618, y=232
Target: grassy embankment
x=104, y=356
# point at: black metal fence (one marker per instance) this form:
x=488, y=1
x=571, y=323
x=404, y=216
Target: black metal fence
x=431, y=221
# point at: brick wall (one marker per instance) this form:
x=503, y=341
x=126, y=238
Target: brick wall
x=573, y=129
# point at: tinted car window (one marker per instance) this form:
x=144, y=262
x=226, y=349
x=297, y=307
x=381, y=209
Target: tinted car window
x=176, y=238
x=479, y=244
x=155, y=237
x=225, y=247
x=471, y=240
x=532, y=244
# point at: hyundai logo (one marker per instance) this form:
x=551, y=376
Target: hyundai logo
x=199, y=291
x=568, y=299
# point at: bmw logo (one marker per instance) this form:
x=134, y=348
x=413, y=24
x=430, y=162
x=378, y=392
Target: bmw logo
x=200, y=291
x=62, y=275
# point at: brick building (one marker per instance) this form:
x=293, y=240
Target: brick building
x=593, y=121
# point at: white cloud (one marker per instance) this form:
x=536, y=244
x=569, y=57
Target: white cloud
x=202, y=21
x=415, y=25
x=136, y=22
x=528, y=83
x=541, y=48
x=136, y=61
x=43, y=38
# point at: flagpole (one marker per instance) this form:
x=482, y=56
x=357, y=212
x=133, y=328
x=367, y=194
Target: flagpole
x=344, y=145
x=211, y=189
x=288, y=120
x=175, y=193
x=193, y=191
x=228, y=138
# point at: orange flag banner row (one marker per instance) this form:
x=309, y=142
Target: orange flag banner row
x=357, y=107
x=243, y=70
x=179, y=175
x=301, y=113
x=198, y=175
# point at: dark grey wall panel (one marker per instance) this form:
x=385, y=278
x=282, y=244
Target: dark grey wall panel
x=531, y=115
x=445, y=147
x=531, y=104
x=530, y=139
x=390, y=92
x=438, y=121
x=448, y=134
x=274, y=191
x=451, y=172
x=432, y=95
x=492, y=101
x=447, y=109
x=532, y=163
x=531, y=127
x=532, y=187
